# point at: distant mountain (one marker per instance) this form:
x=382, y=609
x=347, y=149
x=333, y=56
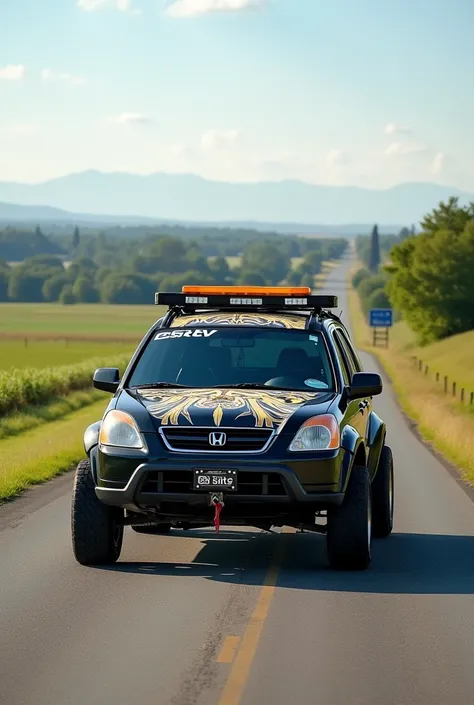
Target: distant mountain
x=185, y=197
x=48, y=216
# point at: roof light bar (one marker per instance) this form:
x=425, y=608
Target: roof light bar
x=237, y=299
x=247, y=290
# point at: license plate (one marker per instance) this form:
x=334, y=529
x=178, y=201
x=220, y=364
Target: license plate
x=207, y=479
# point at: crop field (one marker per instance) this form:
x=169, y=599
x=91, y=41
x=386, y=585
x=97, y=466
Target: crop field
x=85, y=321
x=50, y=353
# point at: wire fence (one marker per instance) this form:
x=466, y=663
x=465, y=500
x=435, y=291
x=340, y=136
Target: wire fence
x=449, y=386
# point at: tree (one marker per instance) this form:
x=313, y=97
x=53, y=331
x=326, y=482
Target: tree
x=24, y=286
x=220, y=270
x=314, y=260
x=359, y=277
x=377, y=299
x=82, y=266
x=374, y=260
x=431, y=282
x=4, y=279
x=247, y=277
x=267, y=260
x=67, y=296
x=84, y=291
x=448, y=216
x=307, y=280
x=127, y=289
x=76, y=239
x=53, y=287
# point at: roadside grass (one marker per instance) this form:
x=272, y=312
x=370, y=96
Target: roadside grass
x=45, y=451
x=441, y=419
x=83, y=321
x=320, y=279
x=47, y=353
x=33, y=416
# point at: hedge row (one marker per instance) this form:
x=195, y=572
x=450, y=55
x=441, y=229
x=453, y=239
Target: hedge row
x=21, y=387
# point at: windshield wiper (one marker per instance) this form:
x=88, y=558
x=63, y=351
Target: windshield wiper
x=159, y=385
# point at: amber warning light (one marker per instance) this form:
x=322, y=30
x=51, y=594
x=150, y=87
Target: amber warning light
x=246, y=290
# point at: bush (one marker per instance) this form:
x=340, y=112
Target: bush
x=370, y=284
x=307, y=280
x=84, y=291
x=66, y=296
x=378, y=299
x=359, y=277
x=22, y=387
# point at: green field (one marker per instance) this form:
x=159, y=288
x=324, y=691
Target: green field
x=81, y=320
x=50, y=353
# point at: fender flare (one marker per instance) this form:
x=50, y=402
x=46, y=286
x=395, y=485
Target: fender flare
x=355, y=451
x=377, y=432
x=91, y=436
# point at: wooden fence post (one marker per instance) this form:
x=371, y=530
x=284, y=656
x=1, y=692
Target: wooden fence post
x=454, y=389
x=445, y=384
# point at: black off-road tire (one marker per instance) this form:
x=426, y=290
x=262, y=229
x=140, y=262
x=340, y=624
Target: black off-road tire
x=152, y=528
x=96, y=536
x=383, y=495
x=349, y=526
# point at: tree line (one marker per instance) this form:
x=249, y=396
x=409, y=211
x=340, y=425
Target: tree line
x=129, y=271
x=428, y=277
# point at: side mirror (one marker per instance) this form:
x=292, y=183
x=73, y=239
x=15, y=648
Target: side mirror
x=365, y=384
x=106, y=379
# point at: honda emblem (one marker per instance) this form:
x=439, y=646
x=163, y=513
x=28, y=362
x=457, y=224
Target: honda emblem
x=217, y=439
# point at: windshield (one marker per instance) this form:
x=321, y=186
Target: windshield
x=210, y=357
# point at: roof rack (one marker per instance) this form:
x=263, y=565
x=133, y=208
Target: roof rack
x=245, y=298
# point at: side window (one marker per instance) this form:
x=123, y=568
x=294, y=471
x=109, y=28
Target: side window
x=342, y=360
x=350, y=362
x=353, y=355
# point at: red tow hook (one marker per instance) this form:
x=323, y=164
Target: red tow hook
x=217, y=501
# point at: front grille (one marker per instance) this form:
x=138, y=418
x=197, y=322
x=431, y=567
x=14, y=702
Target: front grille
x=237, y=440
x=253, y=484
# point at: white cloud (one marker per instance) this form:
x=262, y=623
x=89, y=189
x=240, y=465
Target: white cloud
x=439, y=162
x=392, y=128
x=131, y=119
x=192, y=8
x=120, y=5
x=336, y=158
x=215, y=140
x=12, y=72
x=47, y=76
x=402, y=149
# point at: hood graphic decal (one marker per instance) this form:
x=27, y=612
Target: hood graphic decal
x=241, y=319
x=263, y=409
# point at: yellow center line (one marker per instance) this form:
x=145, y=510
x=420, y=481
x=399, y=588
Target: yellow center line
x=240, y=670
x=229, y=647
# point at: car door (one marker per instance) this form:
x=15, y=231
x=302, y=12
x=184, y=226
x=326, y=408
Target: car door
x=355, y=412
x=364, y=405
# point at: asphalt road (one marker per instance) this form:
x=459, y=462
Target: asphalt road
x=245, y=617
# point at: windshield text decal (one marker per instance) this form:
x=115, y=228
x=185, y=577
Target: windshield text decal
x=167, y=334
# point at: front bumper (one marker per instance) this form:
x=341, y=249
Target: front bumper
x=165, y=484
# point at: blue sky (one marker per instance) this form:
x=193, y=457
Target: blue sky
x=365, y=92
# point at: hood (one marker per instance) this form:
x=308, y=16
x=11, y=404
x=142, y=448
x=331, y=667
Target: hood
x=255, y=408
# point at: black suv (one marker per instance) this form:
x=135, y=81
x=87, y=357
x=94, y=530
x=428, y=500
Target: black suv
x=246, y=407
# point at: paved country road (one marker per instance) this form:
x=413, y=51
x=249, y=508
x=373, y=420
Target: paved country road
x=245, y=617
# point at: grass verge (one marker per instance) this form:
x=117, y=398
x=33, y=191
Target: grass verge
x=33, y=416
x=45, y=451
x=441, y=420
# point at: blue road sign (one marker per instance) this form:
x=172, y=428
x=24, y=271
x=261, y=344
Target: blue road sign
x=381, y=317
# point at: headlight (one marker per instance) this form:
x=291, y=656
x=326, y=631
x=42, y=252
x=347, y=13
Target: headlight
x=119, y=429
x=317, y=433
